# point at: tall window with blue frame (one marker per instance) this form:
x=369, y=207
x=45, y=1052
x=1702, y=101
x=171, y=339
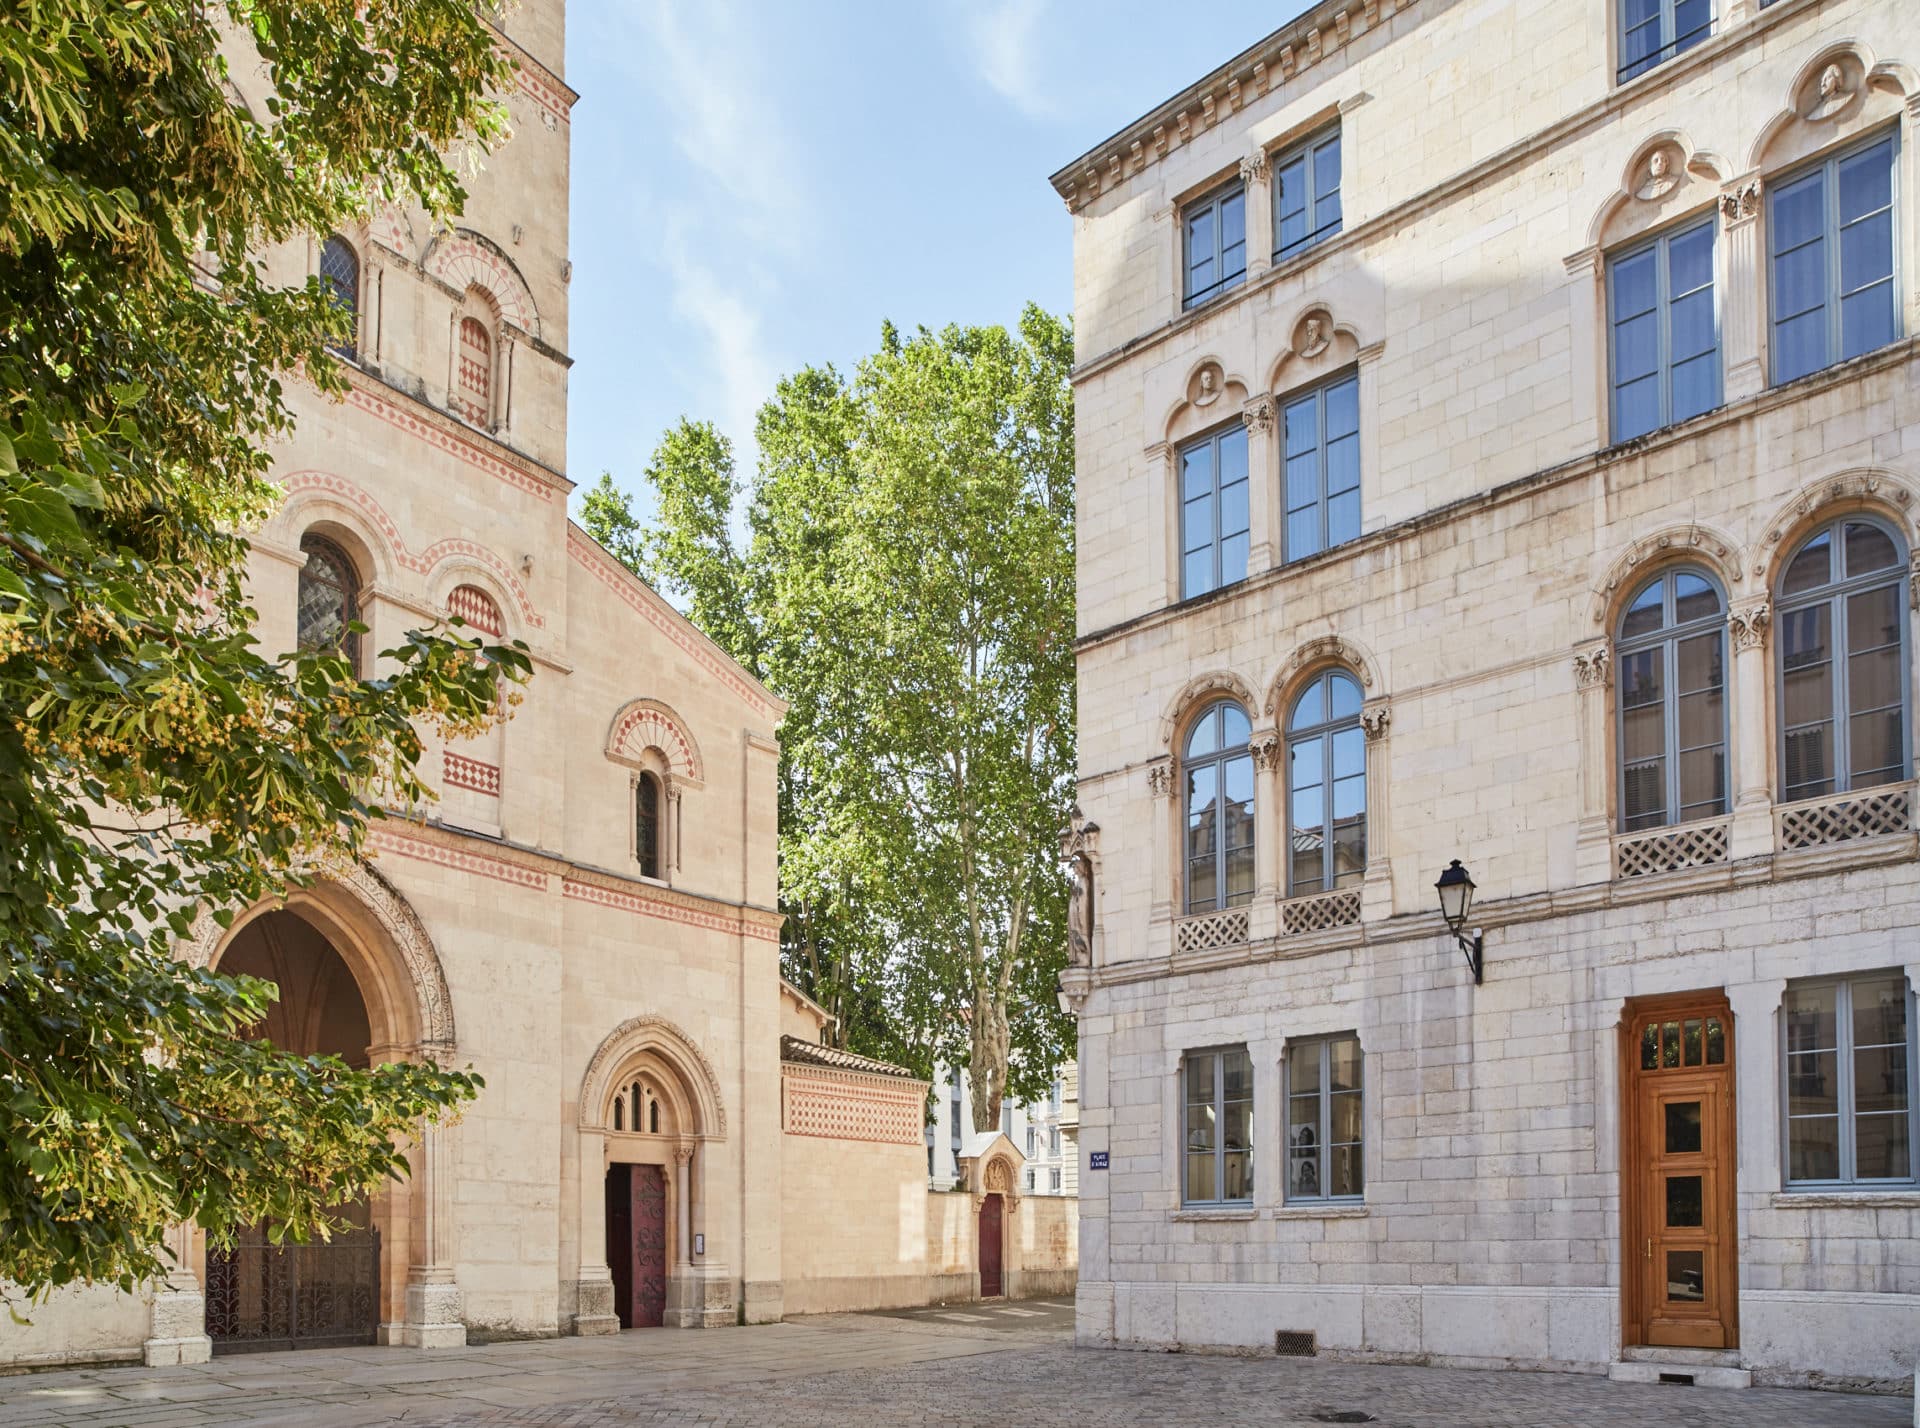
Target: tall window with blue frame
x=1213, y=512
x=1321, y=431
x=1306, y=195
x=1832, y=233
x=1326, y=787
x=1218, y=767
x=1654, y=31
x=1216, y=235
x=1665, y=348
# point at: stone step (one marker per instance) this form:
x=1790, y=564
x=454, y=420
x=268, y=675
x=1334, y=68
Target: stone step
x=1697, y=1368
x=1702, y=1358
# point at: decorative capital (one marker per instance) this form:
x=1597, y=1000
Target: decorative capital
x=1253, y=166
x=1593, y=668
x=1266, y=751
x=1160, y=778
x=1374, y=718
x=1076, y=985
x=1748, y=626
x=683, y=1154
x=1740, y=202
x=1258, y=415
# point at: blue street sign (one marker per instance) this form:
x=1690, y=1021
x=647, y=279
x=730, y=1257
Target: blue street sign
x=1096, y=1160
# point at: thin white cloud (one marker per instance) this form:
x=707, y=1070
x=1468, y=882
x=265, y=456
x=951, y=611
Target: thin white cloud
x=723, y=306
x=1005, y=40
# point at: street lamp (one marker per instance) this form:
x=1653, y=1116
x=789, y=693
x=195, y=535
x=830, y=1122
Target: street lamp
x=1456, y=901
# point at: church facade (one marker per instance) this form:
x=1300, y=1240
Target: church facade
x=1497, y=433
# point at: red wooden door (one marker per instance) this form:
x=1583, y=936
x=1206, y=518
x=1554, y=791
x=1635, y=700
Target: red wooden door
x=990, y=1211
x=649, y=1246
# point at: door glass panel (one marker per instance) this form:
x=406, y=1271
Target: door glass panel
x=1683, y=1202
x=1650, y=1047
x=1683, y=1127
x=1686, y=1276
x=1716, y=1042
x=1670, y=1044
x=1692, y=1042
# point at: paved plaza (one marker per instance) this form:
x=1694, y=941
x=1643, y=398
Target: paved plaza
x=970, y=1364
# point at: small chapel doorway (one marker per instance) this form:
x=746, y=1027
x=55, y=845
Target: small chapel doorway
x=637, y=1244
x=324, y=1294
x=992, y=1217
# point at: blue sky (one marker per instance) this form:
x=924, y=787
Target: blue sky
x=756, y=186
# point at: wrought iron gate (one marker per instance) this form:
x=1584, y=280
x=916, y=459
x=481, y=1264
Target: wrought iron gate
x=265, y=1296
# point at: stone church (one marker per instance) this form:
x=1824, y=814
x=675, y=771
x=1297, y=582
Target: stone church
x=587, y=915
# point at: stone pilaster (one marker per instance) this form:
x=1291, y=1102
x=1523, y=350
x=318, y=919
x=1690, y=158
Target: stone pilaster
x=1593, y=678
x=433, y=1308
x=1257, y=176
x=1743, y=286
x=1752, y=832
x=1376, y=889
x=177, y=1332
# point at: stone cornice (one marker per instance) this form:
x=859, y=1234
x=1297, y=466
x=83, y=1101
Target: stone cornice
x=537, y=80
x=1281, y=57
x=1266, y=583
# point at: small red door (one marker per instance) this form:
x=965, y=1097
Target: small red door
x=990, y=1286
x=637, y=1244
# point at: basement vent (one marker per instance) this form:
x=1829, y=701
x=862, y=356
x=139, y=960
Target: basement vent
x=1684, y=1379
x=1294, y=1343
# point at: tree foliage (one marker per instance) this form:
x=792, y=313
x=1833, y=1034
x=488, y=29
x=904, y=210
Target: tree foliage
x=907, y=583
x=153, y=759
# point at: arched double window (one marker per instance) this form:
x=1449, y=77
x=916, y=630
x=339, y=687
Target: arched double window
x=340, y=274
x=1219, y=772
x=1841, y=622
x=647, y=819
x=1326, y=786
x=329, y=600
x=473, y=373
x=1671, y=647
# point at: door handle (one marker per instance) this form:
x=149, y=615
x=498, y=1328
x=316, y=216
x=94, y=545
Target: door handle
x=1649, y=1247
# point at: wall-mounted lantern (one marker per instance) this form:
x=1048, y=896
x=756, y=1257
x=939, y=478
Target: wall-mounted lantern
x=1456, y=901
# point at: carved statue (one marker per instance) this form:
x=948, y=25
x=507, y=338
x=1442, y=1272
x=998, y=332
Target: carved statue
x=1833, y=93
x=1660, y=179
x=1075, y=846
x=1313, y=340
x=1208, y=393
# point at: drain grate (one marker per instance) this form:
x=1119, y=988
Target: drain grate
x=1342, y=1415
x=1685, y=1379
x=1294, y=1343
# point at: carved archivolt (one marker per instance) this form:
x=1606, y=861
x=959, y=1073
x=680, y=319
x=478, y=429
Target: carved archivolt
x=644, y=724
x=1879, y=491
x=1701, y=545
x=669, y=1045
x=1312, y=655
x=379, y=909
x=1202, y=689
x=464, y=259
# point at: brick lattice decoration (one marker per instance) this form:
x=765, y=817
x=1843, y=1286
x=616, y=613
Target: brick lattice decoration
x=1816, y=823
x=476, y=607
x=1210, y=930
x=463, y=772
x=822, y=1104
x=1320, y=912
x=1668, y=850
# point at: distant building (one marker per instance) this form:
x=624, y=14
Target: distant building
x=1041, y=1131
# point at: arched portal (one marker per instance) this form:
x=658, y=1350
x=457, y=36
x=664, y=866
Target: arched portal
x=326, y=1294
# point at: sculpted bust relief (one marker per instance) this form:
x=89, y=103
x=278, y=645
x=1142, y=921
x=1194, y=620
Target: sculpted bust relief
x=1660, y=177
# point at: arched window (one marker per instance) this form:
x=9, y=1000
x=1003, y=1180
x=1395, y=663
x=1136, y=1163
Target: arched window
x=329, y=600
x=1326, y=786
x=473, y=373
x=1672, y=654
x=646, y=824
x=340, y=273
x=619, y=1112
x=1842, y=633
x=1219, y=772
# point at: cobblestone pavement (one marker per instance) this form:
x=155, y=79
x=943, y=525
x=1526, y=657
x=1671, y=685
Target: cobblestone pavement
x=972, y=1364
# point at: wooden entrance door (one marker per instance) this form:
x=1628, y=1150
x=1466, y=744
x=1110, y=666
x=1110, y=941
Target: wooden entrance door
x=990, y=1220
x=637, y=1244
x=1681, y=1267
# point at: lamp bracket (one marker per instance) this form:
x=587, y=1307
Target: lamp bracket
x=1473, y=948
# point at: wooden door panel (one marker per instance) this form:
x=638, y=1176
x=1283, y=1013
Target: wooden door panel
x=619, y=1240
x=649, y=1246
x=990, y=1276
x=1678, y=1218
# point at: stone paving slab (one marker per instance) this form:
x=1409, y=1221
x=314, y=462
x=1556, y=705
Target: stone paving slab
x=908, y=1367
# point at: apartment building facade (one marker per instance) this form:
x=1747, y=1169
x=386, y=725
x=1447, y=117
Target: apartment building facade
x=1497, y=442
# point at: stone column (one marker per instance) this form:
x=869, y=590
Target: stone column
x=1163, y=485
x=1376, y=887
x=433, y=1297
x=1263, y=916
x=593, y=1310
x=671, y=854
x=1159, y=818
x=1756, y=1073
x=178, y=1329
x=682, y=1207
x=1752, y=832
x=1263, y=485
x=1372, y=510
x=1585, y=321
x=1593, y=677
x=1256, y=176
x=1743, y=289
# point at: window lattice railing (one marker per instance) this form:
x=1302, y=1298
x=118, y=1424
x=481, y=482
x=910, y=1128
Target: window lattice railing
x=1211, y=929
x=1320, y=911
x=1817, y=822
x=1668, y=850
